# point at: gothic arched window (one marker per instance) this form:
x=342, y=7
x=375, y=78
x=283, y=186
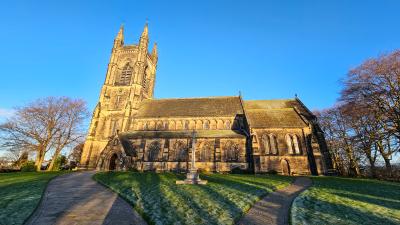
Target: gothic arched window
x=126, y=75
x=232, y=151
x=206, y=151
x=296, y=144
x=228, y=125
x=181, y=151
x=206, y=125
x=293, y=144
x=289, y=143
x=154, y=151
x=273, y=144
x=266, y=144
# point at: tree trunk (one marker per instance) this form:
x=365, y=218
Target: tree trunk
x=373, y=169
x=387, y=164
x=39, y=158
x=53, y=159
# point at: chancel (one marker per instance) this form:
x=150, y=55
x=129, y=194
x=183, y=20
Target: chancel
x=130, y=130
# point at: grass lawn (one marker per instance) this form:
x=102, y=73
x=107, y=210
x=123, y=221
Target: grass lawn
x=20, y=193
x=334, y=200
x=222, y=201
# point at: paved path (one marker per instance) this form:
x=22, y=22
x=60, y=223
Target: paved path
x=274, y=208
x=76, y=199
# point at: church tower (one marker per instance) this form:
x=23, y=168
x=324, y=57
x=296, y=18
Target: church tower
x=130, y=78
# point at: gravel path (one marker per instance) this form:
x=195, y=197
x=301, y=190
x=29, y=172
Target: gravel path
x=274, y=208
x=76, y=198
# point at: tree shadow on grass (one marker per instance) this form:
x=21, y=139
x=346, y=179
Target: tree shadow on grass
x=317, y=211
x=388, y=203
x=225, y=203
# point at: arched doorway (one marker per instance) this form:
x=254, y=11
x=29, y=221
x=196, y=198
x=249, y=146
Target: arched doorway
x=285, y=167
x=113, y=162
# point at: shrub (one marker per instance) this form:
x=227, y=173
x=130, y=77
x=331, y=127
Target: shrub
x=28, y=166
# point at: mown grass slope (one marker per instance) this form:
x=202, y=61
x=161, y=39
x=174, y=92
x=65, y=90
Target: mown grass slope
x=222, y=201
x=334, y=200
x=20, y=193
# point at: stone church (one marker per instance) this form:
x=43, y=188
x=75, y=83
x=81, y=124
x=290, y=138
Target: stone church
x=130, y=130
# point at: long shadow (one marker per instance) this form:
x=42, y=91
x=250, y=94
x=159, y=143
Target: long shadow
x=234, y=184
x=392, y=204
x=253, y=181
x=192, y=202
x=361, y=186
x=316, y=211
x=151, y=212
x=235, y=211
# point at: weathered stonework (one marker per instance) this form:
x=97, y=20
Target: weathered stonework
x=131, y=130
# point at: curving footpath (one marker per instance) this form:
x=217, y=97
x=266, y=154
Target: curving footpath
x=274, y=208
x=76, y=198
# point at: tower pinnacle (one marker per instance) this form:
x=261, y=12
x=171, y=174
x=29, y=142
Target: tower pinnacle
x=119, y=39
x=154, y=53
x=145, y=32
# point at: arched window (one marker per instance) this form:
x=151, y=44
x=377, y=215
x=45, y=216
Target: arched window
x=186, y=125
x=154, y=151
x=296, y=144
x=273, y=142
x=126, y=75
x=206, y=125
x=145, y=126
x=206, y=152
x=159, y=125
x=114, y=126
x=289, y=143
x=181, y=151
x=266, y=144
x=228, y=125
x=232, y=151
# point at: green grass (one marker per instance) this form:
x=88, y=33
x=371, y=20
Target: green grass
x=222, y=201
x=346, y=201
x=20, y=193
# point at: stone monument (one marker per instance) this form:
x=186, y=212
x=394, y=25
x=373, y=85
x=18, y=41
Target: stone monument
x=192, y=177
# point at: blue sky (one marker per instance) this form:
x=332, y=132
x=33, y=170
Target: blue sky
x=265, y=49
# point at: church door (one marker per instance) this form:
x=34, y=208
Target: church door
x=113, y=162
x=285, y=167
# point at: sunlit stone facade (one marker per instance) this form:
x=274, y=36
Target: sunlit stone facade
x=130, y=130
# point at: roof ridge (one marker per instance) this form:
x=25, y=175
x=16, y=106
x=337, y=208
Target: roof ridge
x=183, y=98
x=276, y=109
x=275, y=99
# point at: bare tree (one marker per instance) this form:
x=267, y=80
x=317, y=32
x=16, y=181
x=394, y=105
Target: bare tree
x=340, y=139
x=44, y=124
x=69, y=130
x=376, y=84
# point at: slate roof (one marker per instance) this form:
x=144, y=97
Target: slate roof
x=277, y=113
x=274, y=118
x=279, y=104
x=190, y=107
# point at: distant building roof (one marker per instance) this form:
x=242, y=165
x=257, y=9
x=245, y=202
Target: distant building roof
x=190, y=107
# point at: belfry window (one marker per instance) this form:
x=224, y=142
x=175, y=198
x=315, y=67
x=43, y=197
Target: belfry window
x=126, y=75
